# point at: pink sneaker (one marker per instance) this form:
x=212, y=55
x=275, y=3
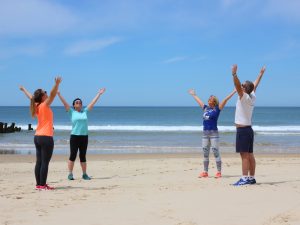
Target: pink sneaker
x=46, y=187
x=203, y=175
x=38, y=187
x=218, y=175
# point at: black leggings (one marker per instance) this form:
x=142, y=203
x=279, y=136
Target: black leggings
x=44, y=148
x=78, y=142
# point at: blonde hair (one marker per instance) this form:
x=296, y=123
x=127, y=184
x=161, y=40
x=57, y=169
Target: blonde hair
x=216, y=100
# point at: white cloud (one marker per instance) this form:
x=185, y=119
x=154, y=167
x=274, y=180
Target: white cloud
x=175, y=59
x=285, y=9
x=140, y=15
x=278, y=9
x=90, y=46
x=44, y=17
x=34, y=17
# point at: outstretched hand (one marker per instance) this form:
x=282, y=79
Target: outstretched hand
x=234, y=69
x=21, y=88
x=27, y=93
x=58, y=80
x=192, y=92
x=102, y=90
x=263, y=69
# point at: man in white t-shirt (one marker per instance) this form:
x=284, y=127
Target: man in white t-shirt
x=243, y=122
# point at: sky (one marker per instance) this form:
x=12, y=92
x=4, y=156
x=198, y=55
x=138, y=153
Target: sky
x=149, y=52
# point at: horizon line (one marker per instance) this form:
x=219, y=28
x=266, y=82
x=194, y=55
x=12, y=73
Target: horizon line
x=135, y=106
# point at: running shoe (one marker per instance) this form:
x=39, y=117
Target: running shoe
x=86, y=177
x=203, y=174
x=37, y=187
x=218, y=175
x=46, y=187
x=252, y=181
x=70, y=176
x=241, y=182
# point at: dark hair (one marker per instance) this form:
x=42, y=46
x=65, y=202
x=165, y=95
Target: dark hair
x=248, y=86
x=36, y=98
x=76, y=99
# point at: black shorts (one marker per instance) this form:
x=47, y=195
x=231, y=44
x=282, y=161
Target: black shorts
x=244, y=139
x=78, y=142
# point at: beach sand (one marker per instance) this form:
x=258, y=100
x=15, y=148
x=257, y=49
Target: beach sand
x=154, y=189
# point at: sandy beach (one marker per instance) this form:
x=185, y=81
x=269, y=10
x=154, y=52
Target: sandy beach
x=151, y=189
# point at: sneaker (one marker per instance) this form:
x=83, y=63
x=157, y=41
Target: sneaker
x=241, y=182
x=46, y=187
x=218, y=175
x=70, y=176
x=86, y=177
x=38, y=187
x=203, y=174
x=252, y=181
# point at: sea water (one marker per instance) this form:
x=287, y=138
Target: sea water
x=156, y=130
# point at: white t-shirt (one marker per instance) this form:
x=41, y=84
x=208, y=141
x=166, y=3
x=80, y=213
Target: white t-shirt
x=244, y=109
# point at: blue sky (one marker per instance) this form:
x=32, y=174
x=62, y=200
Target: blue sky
x=149, y=53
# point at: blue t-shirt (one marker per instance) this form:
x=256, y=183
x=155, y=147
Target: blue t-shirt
x=210, y=117
x=79, y=121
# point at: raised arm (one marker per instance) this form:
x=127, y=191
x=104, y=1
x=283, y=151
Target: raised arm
x=53, y=92
x=236, y=81
x=192, y=92
x=93, y=102
x=27, y=93
x=260, y=75
x=223, y=103
x=67, y=106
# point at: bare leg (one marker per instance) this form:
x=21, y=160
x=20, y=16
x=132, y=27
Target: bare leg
x=252, y=164
x=245, y=163
x=83, y=167
x=70, y=166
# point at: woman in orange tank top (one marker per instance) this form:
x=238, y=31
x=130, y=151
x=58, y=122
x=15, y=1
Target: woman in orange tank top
x=43, y=139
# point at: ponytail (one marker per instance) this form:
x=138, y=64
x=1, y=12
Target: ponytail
x=32, y=108
x=36, y=98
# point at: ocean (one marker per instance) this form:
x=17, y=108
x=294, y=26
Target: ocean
x=129, y=130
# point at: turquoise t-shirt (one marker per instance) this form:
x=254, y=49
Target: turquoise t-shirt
x=79, y=121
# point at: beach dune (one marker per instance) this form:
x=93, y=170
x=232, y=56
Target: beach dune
x=151, y=189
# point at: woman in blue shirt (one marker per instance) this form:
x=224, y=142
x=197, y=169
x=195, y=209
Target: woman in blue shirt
x=79, y=133
x=210, y=139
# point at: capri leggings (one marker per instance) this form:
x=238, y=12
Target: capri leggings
x=44, y=148
x=210, y=141
x=78, y=142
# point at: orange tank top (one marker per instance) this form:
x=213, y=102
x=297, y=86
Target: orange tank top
x=45, y=120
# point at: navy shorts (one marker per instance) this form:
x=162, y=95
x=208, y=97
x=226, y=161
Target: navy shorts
x=244, y=139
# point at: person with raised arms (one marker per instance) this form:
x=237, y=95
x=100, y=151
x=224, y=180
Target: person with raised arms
x=79, y=133
x=210, y=138
x=40, y=108
x=243, y=122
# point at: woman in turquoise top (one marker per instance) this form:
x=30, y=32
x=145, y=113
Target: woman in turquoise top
x=79, y=133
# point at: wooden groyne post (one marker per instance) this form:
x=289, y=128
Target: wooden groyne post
x=4, y=128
